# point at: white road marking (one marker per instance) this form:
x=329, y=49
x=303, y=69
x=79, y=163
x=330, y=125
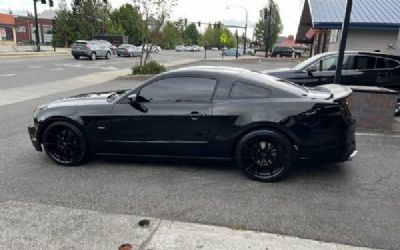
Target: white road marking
x=7, y=75
x=35, y=67
x=377, y=135
x=56, y=69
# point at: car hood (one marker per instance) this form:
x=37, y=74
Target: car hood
x=93, y=98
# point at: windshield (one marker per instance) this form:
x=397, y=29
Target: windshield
x=306, y=63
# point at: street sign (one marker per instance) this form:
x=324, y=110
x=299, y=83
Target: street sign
x=223, y=38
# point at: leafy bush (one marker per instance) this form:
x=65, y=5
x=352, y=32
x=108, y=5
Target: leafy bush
x=151, y=67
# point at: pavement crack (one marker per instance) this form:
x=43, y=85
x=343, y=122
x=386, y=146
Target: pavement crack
x=146, y=242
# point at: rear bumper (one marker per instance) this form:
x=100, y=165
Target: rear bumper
x=81, y=53
x=33, y=137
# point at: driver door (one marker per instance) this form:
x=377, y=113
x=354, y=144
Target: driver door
x=170, y=116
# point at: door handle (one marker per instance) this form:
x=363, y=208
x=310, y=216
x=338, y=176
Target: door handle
x=195, y=115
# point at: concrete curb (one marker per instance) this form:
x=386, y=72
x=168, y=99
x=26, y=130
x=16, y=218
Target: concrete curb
x=37, y=226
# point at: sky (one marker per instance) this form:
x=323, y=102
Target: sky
x=202, y=10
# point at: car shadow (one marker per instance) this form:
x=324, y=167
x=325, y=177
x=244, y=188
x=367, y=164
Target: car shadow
x=301, y=171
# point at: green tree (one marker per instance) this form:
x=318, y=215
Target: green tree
x=127, y=21
x=191, y=35
x=262, y=26
x=170, y=35
x=63, y=35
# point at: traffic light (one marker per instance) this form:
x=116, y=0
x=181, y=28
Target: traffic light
x=199, y=24
x=105, y=1
x=186, y=21
x=265, y=13
x=51, y=3
x=43, y=1
x=54, y=25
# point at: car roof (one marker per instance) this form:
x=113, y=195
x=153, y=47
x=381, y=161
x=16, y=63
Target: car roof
x=369, y=53
x=208, y=70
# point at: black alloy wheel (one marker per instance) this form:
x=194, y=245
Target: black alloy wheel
x=64, y=143
x=264, y=155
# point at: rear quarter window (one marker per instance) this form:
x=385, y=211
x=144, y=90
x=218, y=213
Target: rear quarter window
x=392, y=63
x=241, y=90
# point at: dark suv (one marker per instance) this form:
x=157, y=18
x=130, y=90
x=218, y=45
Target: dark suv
x=285, y=52
x=359, y=68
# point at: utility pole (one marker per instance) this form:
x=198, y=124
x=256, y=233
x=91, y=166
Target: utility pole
x=36, y=27
x=237, y=44
x=268, y=36
x=343, y=40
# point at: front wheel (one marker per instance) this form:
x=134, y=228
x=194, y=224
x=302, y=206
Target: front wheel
x=76, y=57
x=264, y=155
x=93, y=56
x=108, y=55
x=64, y=143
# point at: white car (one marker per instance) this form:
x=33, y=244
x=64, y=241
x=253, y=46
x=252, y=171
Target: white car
x=179, y=48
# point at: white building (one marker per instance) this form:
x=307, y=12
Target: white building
x=374, y=25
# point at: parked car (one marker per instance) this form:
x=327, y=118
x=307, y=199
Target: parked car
x=113, y=48
x=232, y=52
x=128, y=50
x=285, y=52
x=262, y=122
x=195, y=48
x=359, y=68
x=91, y=49
x=180, y=48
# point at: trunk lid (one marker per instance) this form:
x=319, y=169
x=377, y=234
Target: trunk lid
x=335, y=91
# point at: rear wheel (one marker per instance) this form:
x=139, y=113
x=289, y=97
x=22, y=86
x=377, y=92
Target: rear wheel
x=93, y=56
x=118, y=55
x=264, y=155
x=108, y=55
x=77, y=57
x=64, y=143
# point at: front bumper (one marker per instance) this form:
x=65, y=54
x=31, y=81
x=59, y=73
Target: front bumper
x=33, y=136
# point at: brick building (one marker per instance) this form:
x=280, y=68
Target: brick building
x=20, y=30
x=25, y=30
x=7, y=30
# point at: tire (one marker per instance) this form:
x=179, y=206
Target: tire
x=93, y=56
x=131, y=55
x=264, y=155
x=77, y=57
x=65, y=144
x=108, y=55
x=118, y=55
x=156, y=51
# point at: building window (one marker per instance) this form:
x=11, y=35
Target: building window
x=21, y=29
x=6, y=33
x=334, y=36
x=47, y=29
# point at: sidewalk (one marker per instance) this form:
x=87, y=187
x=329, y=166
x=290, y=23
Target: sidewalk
x=29, y=51
x=37, y=226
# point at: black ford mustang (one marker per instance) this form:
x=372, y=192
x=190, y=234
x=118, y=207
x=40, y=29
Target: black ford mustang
x=262, y=122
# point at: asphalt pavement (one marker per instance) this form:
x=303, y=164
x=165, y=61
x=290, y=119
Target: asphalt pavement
x=355, y=202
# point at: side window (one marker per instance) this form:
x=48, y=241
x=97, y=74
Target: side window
x=179, y=89
x=242, y=90
x=363, y=62
x=380, y=63
x=328, y=64
x=392, y=63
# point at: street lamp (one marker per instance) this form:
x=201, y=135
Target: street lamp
x=245, y=27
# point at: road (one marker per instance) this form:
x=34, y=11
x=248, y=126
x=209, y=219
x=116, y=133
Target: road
x=354, y=203
x=22, y=72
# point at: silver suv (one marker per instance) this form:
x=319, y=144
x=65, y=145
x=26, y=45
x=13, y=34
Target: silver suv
x=91, y=49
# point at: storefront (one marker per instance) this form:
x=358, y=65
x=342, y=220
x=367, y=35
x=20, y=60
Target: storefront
x=7, y=30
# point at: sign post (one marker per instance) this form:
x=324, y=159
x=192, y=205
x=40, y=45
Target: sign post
x=223, y=38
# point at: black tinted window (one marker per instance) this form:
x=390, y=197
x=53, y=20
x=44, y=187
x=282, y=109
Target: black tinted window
x=363, y=62
x=393, y=63
x=179, y=89
x=380, y=63
x=245, y=90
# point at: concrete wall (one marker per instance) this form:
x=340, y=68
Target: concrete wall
x=369, y=40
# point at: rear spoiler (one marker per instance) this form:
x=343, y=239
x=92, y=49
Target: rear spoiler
x=337, y=91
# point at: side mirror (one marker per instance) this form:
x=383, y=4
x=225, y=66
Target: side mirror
x=134, y=101
x=132, y=98
x=311, y=69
